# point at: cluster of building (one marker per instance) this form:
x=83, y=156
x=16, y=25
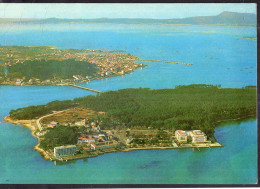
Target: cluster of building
x=91, y=142
x=90, y=126
x=108, y=64
x=90, y=139
x=111, y=64
x=32, y=81
x=194, y=136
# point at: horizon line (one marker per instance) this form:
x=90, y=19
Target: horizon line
x=123, y=17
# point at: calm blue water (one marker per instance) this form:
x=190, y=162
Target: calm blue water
x=211, y=50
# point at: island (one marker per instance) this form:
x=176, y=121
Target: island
x=48, y=65
x=134, y=119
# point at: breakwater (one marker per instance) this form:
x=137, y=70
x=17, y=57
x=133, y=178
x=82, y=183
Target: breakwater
x=183, y=63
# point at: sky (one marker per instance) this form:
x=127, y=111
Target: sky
x=124, y=10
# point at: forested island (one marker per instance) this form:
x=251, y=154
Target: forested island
x=156, y=114
x=48, y=65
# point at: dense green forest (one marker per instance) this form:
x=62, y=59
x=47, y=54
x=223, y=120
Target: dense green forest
x=51, y=69
x=32, y=112
x=185, y=107
x=59, y=136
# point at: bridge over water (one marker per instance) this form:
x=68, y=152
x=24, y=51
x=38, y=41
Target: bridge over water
x=85, y=88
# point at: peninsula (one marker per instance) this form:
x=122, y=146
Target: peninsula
x=48, y=65
x=134, y=119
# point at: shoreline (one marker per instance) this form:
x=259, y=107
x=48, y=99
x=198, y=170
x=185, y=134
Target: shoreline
x=32, y=125
x=72, y=81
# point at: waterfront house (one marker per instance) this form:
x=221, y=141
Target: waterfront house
x=181, y=136
x=30, y=81
x=64, y=150
x=18, y=82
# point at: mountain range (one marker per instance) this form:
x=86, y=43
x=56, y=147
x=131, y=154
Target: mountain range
x=224, y=18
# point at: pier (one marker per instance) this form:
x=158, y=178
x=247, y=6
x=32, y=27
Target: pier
x=188, y=64
x=85, y=88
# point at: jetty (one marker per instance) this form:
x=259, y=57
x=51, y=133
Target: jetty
x=85, y=88
x=188, y=64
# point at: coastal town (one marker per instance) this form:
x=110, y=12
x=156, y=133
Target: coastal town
x=92, y=139
x=108, y=64
x=96, y=141
x=88, y=135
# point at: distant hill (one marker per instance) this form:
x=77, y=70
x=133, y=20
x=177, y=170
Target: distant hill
x=225, y=18
x=14, y=20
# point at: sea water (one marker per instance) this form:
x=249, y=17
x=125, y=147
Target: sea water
x=218, y=57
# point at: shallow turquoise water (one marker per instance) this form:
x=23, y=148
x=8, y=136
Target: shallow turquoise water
x=211, y=54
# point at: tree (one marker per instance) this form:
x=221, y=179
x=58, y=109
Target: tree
x=59, y=136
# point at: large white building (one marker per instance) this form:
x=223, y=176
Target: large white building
x=196, y=136
x=181, y=136
x=65, y=150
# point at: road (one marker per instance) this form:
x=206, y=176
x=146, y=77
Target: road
x=38, y=122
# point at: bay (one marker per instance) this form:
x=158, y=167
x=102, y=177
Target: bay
x=217, y=57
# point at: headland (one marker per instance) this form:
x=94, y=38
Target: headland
x=93, y=125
